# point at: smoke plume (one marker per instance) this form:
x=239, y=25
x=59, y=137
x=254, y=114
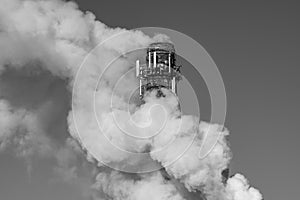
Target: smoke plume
x=55, y=37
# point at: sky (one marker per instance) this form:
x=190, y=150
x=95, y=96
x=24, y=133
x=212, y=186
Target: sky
x=256, y=48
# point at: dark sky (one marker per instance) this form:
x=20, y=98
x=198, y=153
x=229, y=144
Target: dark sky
x=255, y=44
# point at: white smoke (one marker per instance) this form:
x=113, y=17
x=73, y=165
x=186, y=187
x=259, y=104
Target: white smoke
x=148, y=186
x=21, y=129
x=57, y=37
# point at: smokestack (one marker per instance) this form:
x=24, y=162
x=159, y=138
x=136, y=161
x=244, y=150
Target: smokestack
x=160, y=70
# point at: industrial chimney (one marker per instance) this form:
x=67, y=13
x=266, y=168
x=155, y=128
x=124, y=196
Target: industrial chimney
x=160, y=70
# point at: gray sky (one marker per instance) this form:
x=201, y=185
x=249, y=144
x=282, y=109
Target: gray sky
x=255, y=46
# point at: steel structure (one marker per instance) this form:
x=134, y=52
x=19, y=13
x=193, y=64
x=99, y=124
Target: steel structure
x=160, y=70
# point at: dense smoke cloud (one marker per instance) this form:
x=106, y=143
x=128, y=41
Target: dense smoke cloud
x=56, y=37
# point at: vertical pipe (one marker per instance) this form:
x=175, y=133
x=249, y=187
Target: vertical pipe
x=169, y=63
x=137, y=68
x=154, y=62
x=140, y=87
x=149, y=59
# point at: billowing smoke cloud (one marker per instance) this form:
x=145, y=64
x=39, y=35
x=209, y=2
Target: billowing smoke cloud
x=57, y=37
x=148, y=186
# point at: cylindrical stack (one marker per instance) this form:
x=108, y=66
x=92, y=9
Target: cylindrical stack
x=160, y=70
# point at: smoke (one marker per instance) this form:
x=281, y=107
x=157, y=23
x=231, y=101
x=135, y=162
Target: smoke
x=56, y=37
x=149, y=186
